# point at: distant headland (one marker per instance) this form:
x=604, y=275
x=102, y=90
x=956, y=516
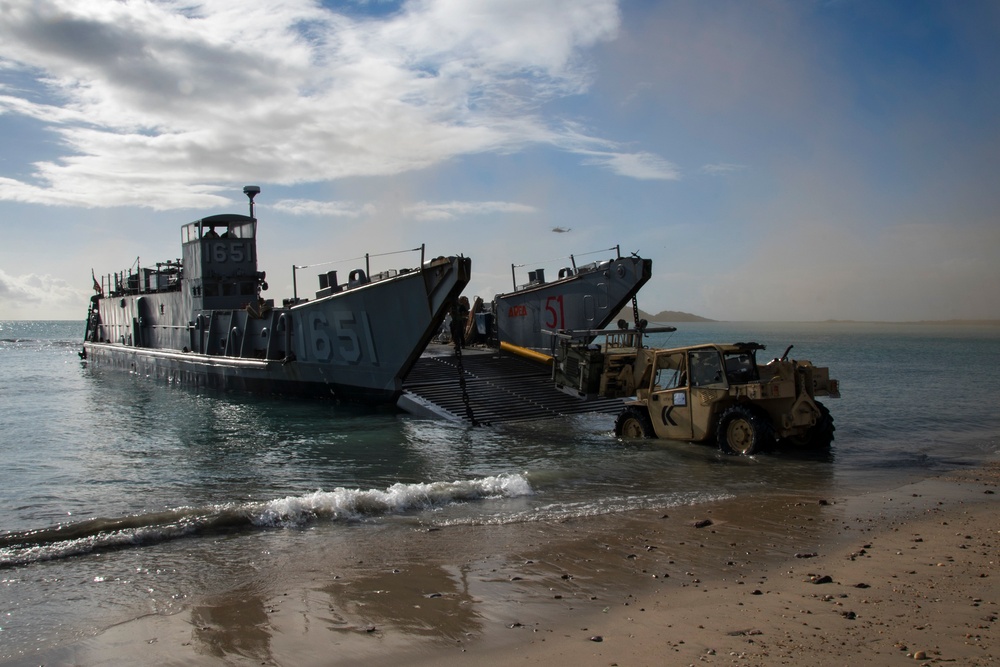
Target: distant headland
x=664, y=316
x=670, y=316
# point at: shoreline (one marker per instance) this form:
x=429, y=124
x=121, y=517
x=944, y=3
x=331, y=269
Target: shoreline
x=908, y=575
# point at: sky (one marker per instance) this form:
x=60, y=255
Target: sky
x=776, y=159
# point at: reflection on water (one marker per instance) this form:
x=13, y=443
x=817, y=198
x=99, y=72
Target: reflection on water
x=429, y=600
x=235, y=624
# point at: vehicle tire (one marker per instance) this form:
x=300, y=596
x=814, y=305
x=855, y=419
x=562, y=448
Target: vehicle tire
x=634, y=422
x=744, y=431
x=820, y=434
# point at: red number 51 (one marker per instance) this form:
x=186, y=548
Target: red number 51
x=556, y=318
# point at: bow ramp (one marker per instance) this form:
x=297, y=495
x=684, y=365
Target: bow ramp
x=500, y=388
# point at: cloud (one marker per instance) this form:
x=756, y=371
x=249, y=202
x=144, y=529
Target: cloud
x=163, y=104
x=643, y=166
x=721, y=168
x=450, y=210
x=33, y=296
x=333, y=209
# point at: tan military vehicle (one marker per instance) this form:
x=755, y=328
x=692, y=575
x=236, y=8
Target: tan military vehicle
x=701, y=392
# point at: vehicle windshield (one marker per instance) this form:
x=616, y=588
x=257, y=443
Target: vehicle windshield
x=669, y=372
x=740, y=367
x=706, y=368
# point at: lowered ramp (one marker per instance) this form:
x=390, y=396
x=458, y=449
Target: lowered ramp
x=500, y=388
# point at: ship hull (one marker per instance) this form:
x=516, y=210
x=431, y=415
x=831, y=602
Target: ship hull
x=355, y=345
x=201, y=371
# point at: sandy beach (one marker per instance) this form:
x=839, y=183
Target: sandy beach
x=907, y=576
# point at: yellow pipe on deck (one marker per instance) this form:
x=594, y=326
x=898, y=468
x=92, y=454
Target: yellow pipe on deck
x=526, y=353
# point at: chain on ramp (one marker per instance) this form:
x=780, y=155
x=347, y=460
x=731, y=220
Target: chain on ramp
x=463, y=387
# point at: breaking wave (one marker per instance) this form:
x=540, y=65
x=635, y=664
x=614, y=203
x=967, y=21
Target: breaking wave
x=82, y=537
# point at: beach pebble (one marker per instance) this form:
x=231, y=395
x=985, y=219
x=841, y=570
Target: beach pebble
x=920, y=655
x=702, y=523
x=597, y=638
x=806, y=554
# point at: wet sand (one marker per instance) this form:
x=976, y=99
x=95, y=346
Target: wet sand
x=908, y=576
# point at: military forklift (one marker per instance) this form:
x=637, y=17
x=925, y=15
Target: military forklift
x=699, y=392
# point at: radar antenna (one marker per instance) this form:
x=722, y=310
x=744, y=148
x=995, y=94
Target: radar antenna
x=251, y=191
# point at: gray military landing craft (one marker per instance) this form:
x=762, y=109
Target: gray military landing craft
x=587, y=296
x=201, y=321
x=518, y=386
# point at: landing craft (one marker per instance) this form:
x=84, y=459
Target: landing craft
x=493, y=388
x=201, y=321
x=582, y=296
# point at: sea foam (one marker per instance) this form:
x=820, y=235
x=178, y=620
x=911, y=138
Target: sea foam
x=340, y=504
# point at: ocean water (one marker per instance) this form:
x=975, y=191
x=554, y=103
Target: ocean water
x=121, y=496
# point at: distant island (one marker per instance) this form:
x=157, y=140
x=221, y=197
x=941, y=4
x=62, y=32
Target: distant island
x=664, y=316
x=670, y=316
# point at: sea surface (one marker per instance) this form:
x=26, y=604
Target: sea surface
x=121, y=496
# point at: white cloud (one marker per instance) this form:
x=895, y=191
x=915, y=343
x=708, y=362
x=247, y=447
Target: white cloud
x=33, y=296
x=164, y=104
x=643, y=166
x=335, y=209
x=450, y=210
x=721, y=168
x=575, y=138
